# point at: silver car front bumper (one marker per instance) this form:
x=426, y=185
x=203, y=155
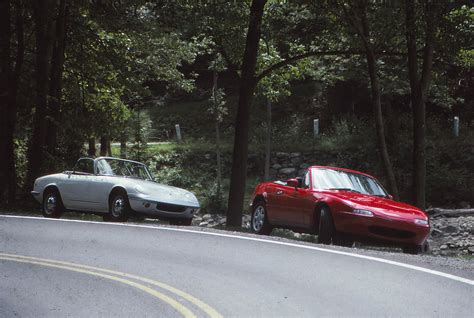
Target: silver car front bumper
x=160, y=209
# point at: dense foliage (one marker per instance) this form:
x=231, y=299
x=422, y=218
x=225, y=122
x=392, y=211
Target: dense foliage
x=385, y=79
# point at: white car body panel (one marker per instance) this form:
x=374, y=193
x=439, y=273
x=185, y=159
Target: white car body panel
x=91, y=192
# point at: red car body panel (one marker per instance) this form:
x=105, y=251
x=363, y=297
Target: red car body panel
x=297, y=208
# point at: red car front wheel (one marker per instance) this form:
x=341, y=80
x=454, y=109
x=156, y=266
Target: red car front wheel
x=326, y=226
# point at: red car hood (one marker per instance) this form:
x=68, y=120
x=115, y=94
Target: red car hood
x=379, y=205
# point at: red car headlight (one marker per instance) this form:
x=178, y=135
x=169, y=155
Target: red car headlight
x=421, y=222
x=362, y=212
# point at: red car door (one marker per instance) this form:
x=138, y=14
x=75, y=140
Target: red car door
x=303, y=207
x=300, y=204
x=277, y=204
x=306, y=202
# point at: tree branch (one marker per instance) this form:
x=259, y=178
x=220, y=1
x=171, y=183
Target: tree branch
x=232, y=66
x=296, y=58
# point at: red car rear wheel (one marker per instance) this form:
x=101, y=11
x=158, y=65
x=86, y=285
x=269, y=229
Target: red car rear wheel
x=259, y=222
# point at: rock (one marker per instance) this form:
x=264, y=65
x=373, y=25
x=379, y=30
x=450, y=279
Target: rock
x=443, y=247
x=301, y=172
x=304, y=166
x=203, y=224
x=450, y=229
x=287, y=171
x=470, y=250
x=295, y=154
x=296, y=160
x=276, y=166
x=207, y=217
x=282, y=155
x=436, y=233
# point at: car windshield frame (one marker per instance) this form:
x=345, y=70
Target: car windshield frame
x=334, y=179
x=123, y=168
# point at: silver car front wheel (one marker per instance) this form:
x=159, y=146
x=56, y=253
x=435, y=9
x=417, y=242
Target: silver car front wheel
x=119, y=208
x=52, y=206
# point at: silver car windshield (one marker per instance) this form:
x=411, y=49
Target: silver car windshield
x=329, y=179
x=123, y=168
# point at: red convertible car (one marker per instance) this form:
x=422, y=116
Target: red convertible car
x=340, y=206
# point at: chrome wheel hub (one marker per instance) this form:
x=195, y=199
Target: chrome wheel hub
x=258, y=218
x=50, y=204
x=118, y=206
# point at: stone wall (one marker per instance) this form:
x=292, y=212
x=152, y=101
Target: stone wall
x=293, y=164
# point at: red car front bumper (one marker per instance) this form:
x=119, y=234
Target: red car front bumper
x=384, y=229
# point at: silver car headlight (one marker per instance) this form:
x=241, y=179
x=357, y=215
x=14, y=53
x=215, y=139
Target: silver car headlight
x=362, y=212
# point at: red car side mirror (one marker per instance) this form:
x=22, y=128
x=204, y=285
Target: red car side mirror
x=292, y=183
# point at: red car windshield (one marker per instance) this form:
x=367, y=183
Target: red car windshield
x=329, y=179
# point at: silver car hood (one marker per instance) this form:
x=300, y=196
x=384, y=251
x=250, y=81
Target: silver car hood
x=154, y=191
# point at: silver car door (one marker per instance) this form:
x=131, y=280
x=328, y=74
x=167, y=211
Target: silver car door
x=77, y=192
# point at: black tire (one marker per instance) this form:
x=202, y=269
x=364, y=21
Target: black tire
x=259, y=221
x=119, y=208
x=416, y=249
x=52, y=206
x=342, y=239
x=326, y=226
x=182, y=222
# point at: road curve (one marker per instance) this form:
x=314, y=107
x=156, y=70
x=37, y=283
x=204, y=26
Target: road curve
x=56, y=268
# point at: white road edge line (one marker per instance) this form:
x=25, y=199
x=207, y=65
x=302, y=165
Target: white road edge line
x=371, y=258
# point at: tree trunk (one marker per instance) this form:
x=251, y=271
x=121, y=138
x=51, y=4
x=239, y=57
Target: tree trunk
x=103, y=145
x=91, y=149
x=379, y=124
x=9, y=82
x=268, y=143
x=247, y=87
x=218, y=137
x=109, y=147
x=43, y=30
x=364, y=32
x=5, y=76
x=123, y=148
x=57, y=62
x=419, y=89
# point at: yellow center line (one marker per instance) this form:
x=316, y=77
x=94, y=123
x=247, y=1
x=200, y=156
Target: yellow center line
x=170, y=301
x=197, y=302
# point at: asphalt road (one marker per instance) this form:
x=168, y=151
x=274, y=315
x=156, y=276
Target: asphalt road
x=52, y=268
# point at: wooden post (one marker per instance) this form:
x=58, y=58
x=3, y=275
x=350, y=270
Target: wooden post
x=456, y=126
x=316, y=128
x=178, y=132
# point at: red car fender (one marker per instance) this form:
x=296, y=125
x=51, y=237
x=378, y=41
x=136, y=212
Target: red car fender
x=335, y=205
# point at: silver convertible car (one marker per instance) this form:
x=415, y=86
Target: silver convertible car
x=114, y=188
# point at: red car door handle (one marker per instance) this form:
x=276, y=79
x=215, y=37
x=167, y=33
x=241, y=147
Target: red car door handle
x=279, y=192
